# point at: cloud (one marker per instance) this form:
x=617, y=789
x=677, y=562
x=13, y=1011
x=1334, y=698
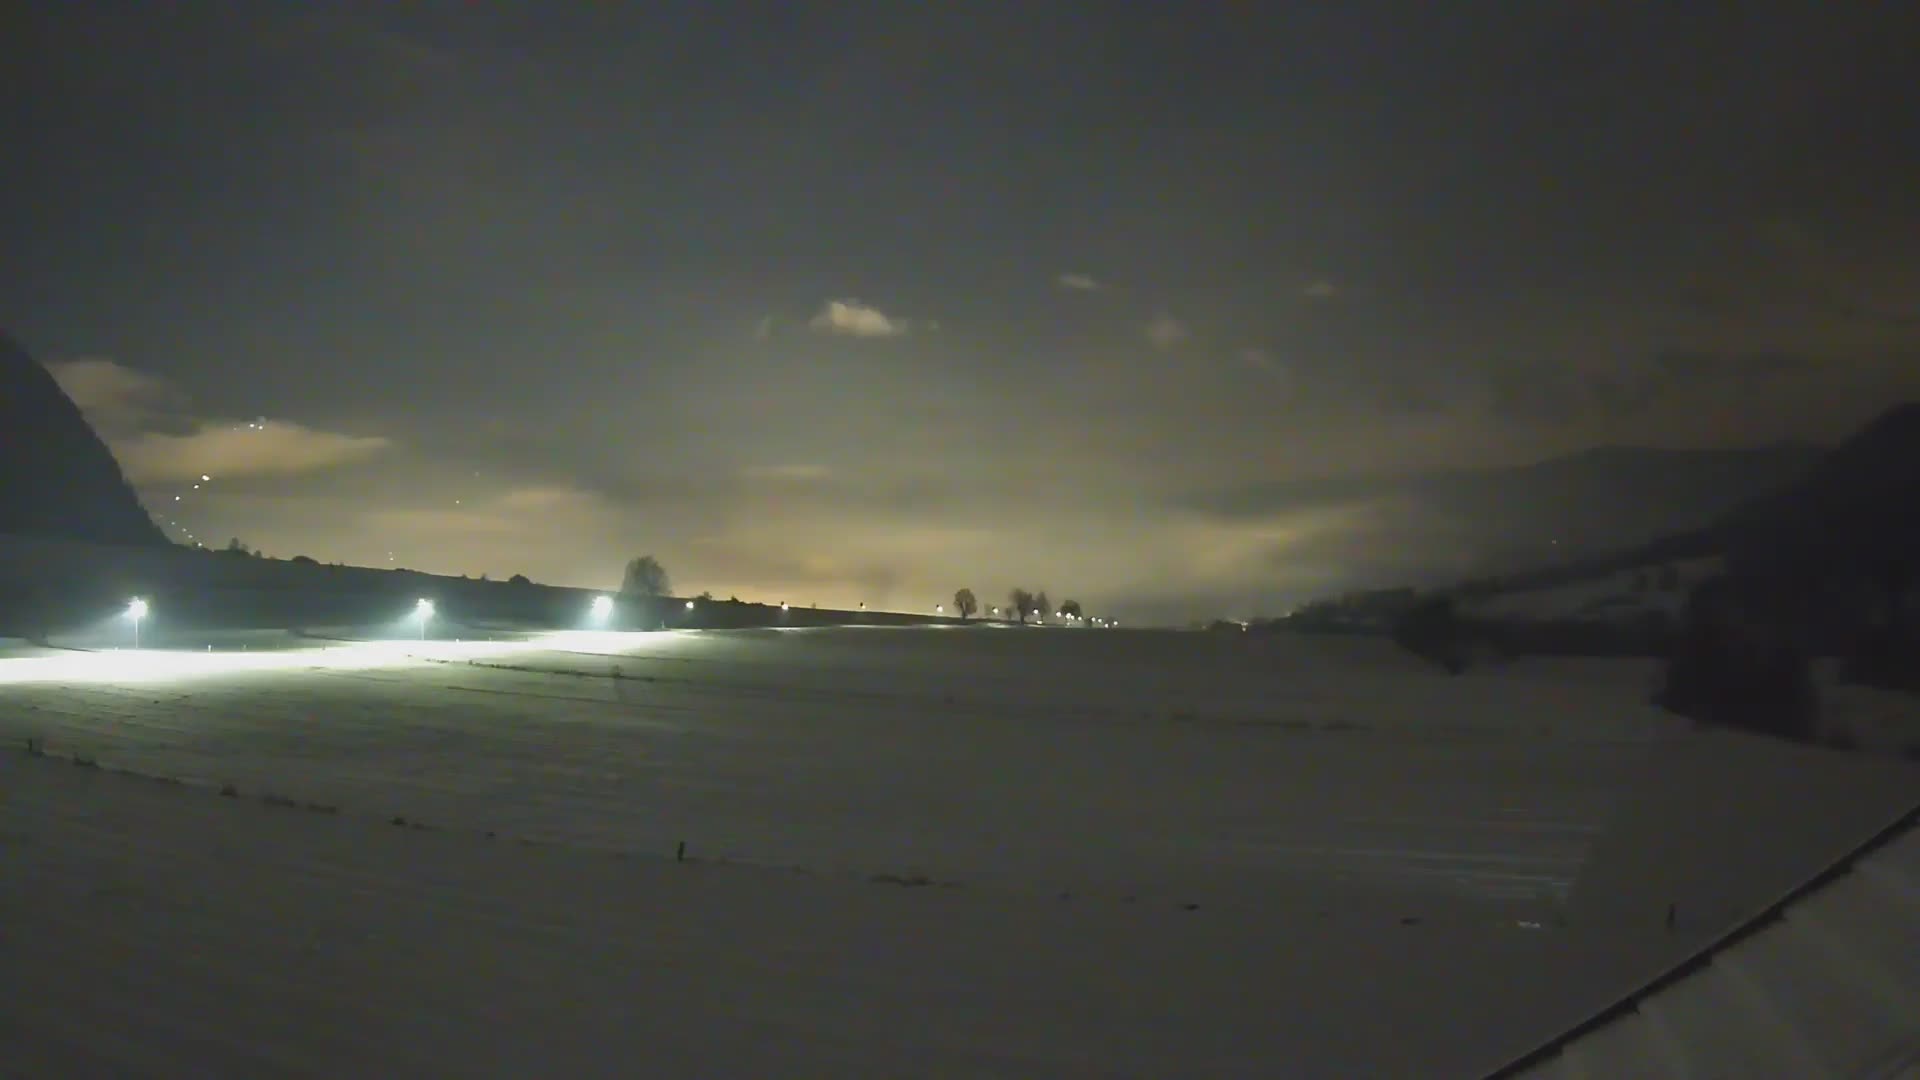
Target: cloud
x=1708, y=364
x=855, y=319
x=1686, y=378
x=1320, y=290
x=113, y=397
x=146, y=421
x=525, y=512
x=788, y=472
x=1165, y=331
x=1078, y=282
x=235, y=450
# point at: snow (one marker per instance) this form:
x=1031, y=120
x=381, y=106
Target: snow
x=1146, y=854
x=1612, y=597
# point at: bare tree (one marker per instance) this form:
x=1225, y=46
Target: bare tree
x=645, y=577
x=1022, y=602
x=965, y=604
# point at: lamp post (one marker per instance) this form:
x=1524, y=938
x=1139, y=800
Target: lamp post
x=424, y=609
x=136, y=611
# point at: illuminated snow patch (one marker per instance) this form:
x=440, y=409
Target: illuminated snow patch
x=158, y=665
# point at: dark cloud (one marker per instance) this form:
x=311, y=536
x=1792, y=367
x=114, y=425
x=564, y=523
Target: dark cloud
x=1263, y=254
x=1678, y=376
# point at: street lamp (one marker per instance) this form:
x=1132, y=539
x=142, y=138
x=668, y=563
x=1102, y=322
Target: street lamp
x=136, y=611
x=424, y=609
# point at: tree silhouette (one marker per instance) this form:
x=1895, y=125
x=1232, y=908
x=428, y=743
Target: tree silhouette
x=965, y=604
x=645, y=577
x=1021, y=601
x=1041, y=606
x=1071, y=609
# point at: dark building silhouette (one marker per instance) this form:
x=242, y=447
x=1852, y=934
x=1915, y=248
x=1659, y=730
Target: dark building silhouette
x=57, y=478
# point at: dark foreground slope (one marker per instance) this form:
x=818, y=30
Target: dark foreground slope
x=56, y=477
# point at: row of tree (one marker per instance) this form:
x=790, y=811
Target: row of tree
x=646, y=577
x=1021, y=603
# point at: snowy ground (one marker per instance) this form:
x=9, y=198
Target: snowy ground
x=1616, y=597
x=1148, y=855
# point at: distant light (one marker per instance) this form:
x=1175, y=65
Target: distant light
x=689, y=605
x=137, y=610
x=205, y=479
x=937, y=608
x=602, y=606
x=424, y=608
x=783, y=605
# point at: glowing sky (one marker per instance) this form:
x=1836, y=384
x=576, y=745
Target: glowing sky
x=864, y=302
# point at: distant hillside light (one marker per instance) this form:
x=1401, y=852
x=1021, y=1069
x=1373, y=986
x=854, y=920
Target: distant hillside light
x=689, y=605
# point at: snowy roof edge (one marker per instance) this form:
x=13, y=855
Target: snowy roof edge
x=1761, y=921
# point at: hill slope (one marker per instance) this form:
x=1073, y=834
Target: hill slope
x=57, y=478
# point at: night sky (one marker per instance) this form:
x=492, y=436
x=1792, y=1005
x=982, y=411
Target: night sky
x=866, y=302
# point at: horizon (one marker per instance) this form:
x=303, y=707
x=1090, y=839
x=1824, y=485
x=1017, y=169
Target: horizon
x=873, y=305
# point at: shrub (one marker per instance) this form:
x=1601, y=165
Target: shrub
x=1735, y=665
x=1432, y=631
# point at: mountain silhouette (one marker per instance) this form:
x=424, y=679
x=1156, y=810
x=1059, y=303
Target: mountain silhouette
x=1855, y=514
x=57, y=478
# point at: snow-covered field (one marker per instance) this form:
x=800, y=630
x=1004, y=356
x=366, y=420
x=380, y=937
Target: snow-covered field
x=911, y=852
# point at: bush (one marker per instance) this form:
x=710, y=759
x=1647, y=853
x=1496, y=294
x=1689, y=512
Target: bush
x=1733, y=665
x=1884, y=658
x=1432, y=631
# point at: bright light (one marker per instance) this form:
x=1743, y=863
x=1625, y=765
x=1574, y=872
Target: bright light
x=205, y=479
x=602, y=606
x=689, y=605
x=136, y=610
x=424, y=608
x=121, y=667
x=783, y=605
x=938, y=608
